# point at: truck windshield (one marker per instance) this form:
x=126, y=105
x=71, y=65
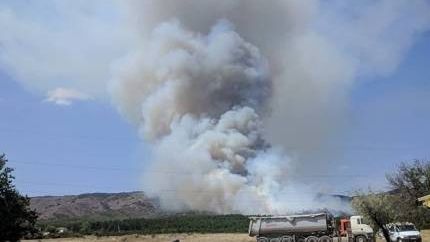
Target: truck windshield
x=406, y=227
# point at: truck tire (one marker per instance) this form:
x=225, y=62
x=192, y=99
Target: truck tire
x=360, y=238
x=287, y=239
x=262, y=239
x=325, y=238
x=275, y=240
x=300, y=239
x=311, y=239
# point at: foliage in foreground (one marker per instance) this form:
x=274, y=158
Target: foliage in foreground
x=172, y=224
x=410, y=182
x=16, y=218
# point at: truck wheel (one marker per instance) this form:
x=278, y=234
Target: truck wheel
x=311, y=239
x=300, y=239
x=325, y=238
x=287, y=239
x=275, y=240
x=360, y=238
x=262, y=239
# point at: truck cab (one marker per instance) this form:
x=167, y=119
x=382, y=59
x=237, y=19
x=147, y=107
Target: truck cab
x=356, y=228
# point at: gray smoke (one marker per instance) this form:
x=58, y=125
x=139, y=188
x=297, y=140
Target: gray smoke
x=222, y=89
x=239, y=100
x=198, y=100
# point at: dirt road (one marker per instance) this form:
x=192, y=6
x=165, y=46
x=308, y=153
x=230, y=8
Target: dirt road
x=181, y=237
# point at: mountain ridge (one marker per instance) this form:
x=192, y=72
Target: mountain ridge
x=95, y=206
x=111, y=206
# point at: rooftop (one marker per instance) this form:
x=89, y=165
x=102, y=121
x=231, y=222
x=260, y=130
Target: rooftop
x=425, y=198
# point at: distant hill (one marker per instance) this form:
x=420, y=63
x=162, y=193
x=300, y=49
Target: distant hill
x=116, y=206
x=95, y=206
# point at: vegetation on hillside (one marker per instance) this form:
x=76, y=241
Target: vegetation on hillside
x=172, y=224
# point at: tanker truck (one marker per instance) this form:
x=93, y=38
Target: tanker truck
x=320, y=227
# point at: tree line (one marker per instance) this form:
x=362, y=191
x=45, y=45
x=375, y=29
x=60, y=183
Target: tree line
x=172, y=224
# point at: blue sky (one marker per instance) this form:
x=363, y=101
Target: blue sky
x=87, y=146
x=390, y=117
x=58, y=148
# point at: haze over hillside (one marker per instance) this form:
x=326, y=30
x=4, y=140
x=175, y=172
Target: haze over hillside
x=102, y=206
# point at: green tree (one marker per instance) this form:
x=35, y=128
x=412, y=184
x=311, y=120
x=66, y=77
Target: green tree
x=409, y=182
x=377, y=208
x=85, y=228
x=16, y=218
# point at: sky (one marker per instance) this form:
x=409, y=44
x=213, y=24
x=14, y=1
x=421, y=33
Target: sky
x=390, y=117
x=61, y=140
x=55, y=149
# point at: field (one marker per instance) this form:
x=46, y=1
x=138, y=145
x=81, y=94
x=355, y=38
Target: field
x=181, y=237
x=426, y=235
x=159, y=238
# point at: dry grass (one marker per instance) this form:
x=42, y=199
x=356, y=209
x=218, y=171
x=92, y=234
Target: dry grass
x=181, y=237
x=160, y=238
x=426, y=235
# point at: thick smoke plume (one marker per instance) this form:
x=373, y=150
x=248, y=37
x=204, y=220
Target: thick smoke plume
x=241, y=101
x=200, y=100
x=213, y=80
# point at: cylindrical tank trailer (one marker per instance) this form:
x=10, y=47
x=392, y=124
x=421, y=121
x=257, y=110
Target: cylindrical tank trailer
x=307, y=228
x=320, y=227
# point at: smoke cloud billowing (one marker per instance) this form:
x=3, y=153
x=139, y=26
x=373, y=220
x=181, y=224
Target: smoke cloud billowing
x=215, y=83
x=238, y=99
x=199, y=99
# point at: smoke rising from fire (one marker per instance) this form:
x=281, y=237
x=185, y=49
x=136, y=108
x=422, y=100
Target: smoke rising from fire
x=233, y=96
x=199, y=99
x=215, y=84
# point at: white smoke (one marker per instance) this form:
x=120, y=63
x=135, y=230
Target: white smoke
x=178, y=72
x=208, y=96
x=198, y=100
x=221, y=90
x=316, y=50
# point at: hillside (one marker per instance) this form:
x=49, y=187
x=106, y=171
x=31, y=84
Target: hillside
x=113, y=206
x=95, y=206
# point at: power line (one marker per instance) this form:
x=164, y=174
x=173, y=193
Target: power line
x=74, y=166
x=225, y=202
x=287, y=147
x=161, y=190
x=45, y=135
x=146, y=171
